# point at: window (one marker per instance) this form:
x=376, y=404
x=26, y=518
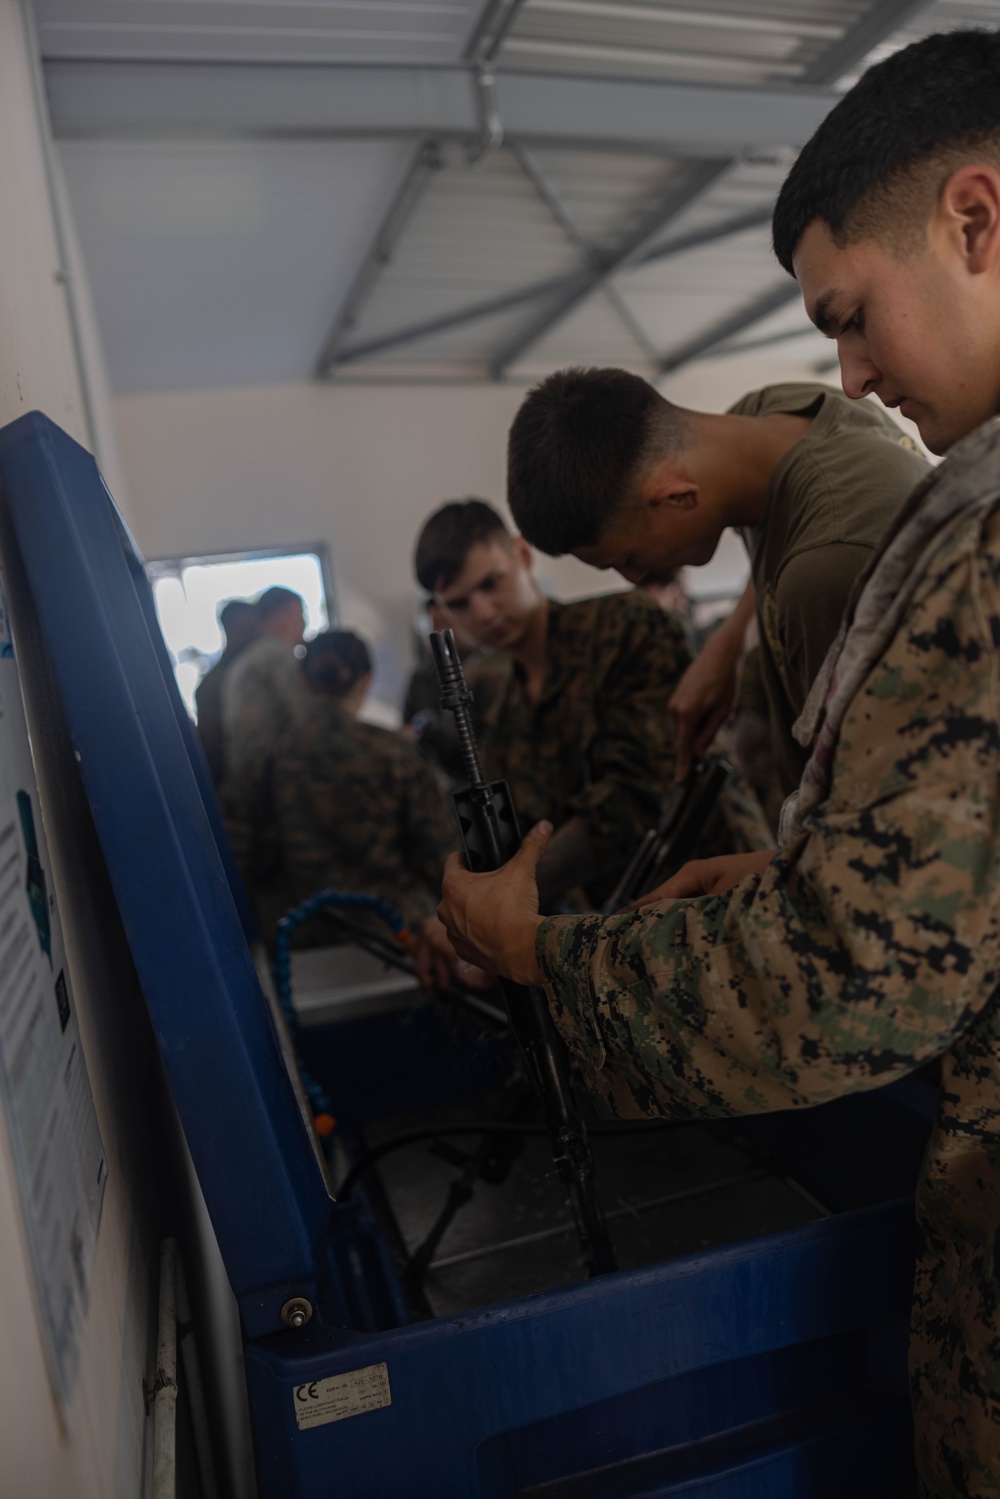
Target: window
x=189, y=591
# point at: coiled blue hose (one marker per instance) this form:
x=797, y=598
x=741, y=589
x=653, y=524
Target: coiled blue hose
x=281, y=964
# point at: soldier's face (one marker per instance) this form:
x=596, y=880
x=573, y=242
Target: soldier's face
x=494, y=595
x=664, y=527
x=922, y=332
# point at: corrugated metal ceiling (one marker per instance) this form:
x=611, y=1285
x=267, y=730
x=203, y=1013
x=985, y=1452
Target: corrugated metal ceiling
x=360, y=31
x=558, y=248
x=723, y=43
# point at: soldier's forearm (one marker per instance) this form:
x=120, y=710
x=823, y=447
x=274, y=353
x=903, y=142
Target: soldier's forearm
x=778, y=994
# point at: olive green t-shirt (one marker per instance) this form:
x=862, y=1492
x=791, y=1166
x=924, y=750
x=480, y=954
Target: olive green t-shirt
x=830, y=499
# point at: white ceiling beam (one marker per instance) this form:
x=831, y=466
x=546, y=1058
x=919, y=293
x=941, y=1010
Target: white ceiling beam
x=106, y=99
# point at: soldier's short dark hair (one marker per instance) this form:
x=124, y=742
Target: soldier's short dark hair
x=448, y=537
x=335, y=660
x=575, y=448
x=273, y=600
x=875, y=166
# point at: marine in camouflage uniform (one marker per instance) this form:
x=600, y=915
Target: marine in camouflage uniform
x=356, y=807
x=600, y=743
x=262, y=695
x=241, y=626
x=869, y=946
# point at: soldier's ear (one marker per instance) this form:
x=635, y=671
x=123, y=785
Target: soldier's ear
x=667, y=486
x=968, y=216
x=680, y=496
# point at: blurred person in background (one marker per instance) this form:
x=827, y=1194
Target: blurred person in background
x=667, y=588
x=261, y=696
x=357, y=808
x=240, y=624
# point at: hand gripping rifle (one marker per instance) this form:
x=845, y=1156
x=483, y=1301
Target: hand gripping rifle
x=490, y=835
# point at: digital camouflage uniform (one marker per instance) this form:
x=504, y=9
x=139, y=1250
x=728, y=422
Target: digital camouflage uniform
x=208, y=705
x=356, y=808
x=870, y=946
x=600, y=743
x=262, y=694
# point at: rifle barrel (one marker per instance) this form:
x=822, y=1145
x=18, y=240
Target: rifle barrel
x=456, y=697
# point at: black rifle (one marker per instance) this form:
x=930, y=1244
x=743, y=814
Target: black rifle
x=666, y=848
x=490, y=835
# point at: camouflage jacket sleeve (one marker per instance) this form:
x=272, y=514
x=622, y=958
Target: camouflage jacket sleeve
x=868, y=945
x=639, y=655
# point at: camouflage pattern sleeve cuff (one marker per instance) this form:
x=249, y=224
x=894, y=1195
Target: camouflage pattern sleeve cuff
x=565, y=947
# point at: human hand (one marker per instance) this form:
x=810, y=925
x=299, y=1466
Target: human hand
x=703, y=699
x=435, y=961
x=710, y=876
x=492, y=918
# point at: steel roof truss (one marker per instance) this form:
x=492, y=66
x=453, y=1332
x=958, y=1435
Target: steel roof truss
x=551, y=285
x=532, y=169
x=694, y=180
x=753, y=312
x=426, y=161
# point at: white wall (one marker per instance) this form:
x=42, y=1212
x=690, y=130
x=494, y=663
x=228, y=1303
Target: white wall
x=96, y=1447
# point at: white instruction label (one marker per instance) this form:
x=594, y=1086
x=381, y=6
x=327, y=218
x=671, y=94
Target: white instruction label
x=45, y=1095
x=344, y=1395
